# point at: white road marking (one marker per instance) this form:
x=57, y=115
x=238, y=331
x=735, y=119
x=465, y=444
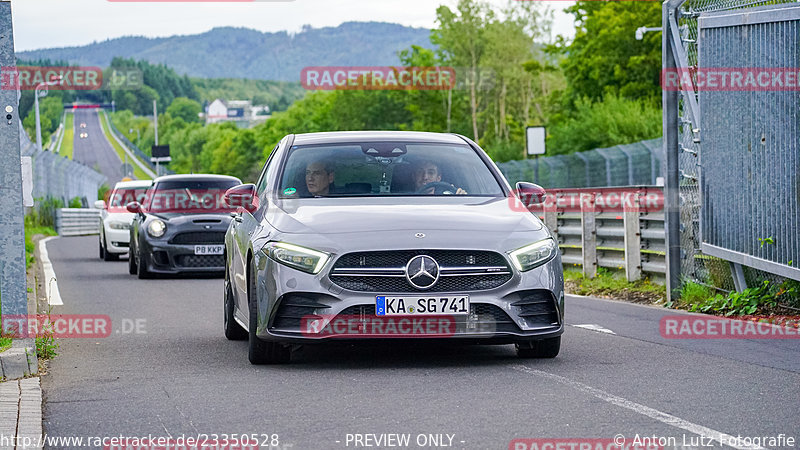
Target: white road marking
x=594, y=327
x=722, y=438
x=50, y=281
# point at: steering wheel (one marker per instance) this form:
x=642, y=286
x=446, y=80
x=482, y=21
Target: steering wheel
x=439, y=188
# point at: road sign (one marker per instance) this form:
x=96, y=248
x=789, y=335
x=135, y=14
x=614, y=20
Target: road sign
x=534, y=139
x=160, y=151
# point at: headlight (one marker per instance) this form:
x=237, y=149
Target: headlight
x=530, y=256
x=157, y=228
x=300, y=258
x=119, y=226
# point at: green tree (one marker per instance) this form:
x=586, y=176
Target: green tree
x=606, y=58
x=186, y=109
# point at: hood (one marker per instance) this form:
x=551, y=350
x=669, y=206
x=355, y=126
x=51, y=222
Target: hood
x=360, y=215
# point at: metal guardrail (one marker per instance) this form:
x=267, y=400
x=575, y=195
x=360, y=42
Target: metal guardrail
x=77, y=221
x=615, y=228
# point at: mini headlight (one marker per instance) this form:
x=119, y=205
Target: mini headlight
x=533, y=255
x=300, y=258
x=157, y=228
x=119, y=225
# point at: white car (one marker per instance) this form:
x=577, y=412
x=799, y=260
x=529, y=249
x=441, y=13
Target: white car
x=115, y=220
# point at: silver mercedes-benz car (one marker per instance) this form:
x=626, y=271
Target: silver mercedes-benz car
x=350, y=236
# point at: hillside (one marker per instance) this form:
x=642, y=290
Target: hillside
x=245, y=53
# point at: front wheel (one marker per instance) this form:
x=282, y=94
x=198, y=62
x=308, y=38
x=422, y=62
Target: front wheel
x=233, y=331
x=259, y=351
x=141, y=266
x=107, y=256
x=132, y=269
x=544, y=348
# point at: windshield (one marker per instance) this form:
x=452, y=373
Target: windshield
x=386, y=169
x=202, y=196
x=122, y=196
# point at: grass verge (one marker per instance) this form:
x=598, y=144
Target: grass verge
x=69, y=136
x=765, y=299
x=608, y=284
x=5, y=343
x=31, y=230
x=137, y=171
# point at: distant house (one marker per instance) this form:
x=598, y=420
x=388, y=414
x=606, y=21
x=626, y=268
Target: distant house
x=241, y=112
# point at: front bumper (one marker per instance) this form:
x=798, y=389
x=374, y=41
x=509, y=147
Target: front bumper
x=530, y=306
x=117, y=241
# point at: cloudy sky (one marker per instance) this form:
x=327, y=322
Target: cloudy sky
x=60, y=23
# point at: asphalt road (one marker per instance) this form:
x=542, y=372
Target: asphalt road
x=179, y=376
x=94, y=150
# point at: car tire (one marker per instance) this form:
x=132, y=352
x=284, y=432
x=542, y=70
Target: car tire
x=107, y=256
x=132, y=269
x=141, y=268
x=102, y=249
x=233, y=331
x=259, y=351
x=544, y=348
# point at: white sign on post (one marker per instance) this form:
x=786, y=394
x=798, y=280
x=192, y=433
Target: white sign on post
x=534, y=139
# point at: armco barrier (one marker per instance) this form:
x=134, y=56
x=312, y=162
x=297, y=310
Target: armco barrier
x=626, y=233
x=77, y=221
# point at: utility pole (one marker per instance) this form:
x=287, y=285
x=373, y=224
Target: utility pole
x=12, y=232
x=155, y=120
x=155, y=126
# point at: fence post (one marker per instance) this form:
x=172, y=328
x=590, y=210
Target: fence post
x=633, y=236
x=588, y=235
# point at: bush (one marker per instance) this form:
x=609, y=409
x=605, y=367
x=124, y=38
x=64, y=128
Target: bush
x=76, y=202
x=44, y=213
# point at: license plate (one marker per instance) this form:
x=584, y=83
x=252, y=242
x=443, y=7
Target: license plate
x=208, y=249
x=420, y=306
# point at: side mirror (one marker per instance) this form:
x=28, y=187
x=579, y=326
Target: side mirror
x=100, y=204
x=530, y=194
x=134, y=207
x=242, y=196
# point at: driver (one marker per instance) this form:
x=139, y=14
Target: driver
x=427, y=172
x=319, y=178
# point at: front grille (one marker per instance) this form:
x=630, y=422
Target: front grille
x=200, y=261
x=399, y=258
x=198, y=237
x=538, y=308
x=384, y=272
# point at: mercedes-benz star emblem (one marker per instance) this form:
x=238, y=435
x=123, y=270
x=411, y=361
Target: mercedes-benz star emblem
x=422, y=271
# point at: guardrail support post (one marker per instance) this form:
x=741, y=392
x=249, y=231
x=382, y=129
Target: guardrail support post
x=633, y=237
x=588, y=235
x=551, y=215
